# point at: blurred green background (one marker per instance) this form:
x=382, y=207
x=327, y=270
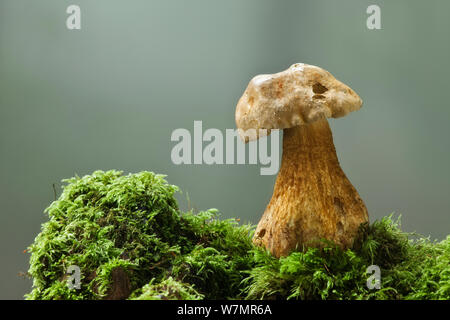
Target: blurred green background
x=109, y=95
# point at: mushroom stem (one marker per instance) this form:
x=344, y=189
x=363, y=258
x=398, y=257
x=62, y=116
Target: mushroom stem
x=312, y=197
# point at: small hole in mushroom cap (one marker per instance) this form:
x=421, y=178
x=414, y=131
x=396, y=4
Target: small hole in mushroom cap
x=318, y=96
x=319, y=88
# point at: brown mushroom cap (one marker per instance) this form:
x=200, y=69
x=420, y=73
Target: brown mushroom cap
x=299, y=95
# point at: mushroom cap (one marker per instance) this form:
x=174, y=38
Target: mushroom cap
x=299, y=95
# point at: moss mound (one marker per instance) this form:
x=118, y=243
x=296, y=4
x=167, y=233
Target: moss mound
x=126, y=231
x=410, y=269
x=130, y=240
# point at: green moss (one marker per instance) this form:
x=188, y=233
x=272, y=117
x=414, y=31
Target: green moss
x=130, y=240
x=410, y=269
x=168, y=289
x=108, y=221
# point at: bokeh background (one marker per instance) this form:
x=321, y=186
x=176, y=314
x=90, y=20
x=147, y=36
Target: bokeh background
x=109, y=95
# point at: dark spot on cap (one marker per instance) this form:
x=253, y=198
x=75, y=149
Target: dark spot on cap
x=319, y=88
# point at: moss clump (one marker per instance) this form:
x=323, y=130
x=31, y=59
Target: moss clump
x=125, y=231
x=130, y=240
x=410, y=269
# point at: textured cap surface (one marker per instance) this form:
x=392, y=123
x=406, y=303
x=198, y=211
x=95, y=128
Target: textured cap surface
x=299, y=95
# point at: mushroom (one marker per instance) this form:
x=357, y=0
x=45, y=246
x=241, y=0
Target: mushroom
x=312, y=198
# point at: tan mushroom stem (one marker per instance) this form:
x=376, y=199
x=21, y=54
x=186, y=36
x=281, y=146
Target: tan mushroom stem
x=312, y=197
